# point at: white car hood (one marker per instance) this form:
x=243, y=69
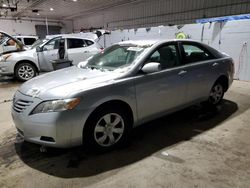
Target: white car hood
x=66, y=82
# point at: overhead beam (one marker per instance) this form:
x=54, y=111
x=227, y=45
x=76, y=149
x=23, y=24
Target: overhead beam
x=34, y=3
x=101, y=8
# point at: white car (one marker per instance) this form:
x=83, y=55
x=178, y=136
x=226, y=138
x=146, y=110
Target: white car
x=27, y=40
x=26, y=63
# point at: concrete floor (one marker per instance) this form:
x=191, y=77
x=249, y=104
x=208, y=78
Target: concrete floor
x=195, y=147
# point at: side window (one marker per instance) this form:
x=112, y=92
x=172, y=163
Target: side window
x=166, y=55
x=29, y=41
x=52, y=44
x=195, y=53
x=76, y=43
x=89, y=43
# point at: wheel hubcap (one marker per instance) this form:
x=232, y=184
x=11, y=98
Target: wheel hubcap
x=109, y=129
x=216, y=94
x=26, y=72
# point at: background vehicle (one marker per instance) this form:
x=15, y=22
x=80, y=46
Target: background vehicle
x=26, y=64
x=9, y=44
x=128, y=84
x=27, y=40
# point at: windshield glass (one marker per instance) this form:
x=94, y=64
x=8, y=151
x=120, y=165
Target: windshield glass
x=116, y=56
x=38, y=43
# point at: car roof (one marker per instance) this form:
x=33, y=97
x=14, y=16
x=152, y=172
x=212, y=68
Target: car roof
x=68, y=36
x=25, y=36
x=155, y=41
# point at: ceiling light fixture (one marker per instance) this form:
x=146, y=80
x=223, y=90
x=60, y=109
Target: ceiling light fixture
x=51, y=9
x=74, y=0
x=4, y=5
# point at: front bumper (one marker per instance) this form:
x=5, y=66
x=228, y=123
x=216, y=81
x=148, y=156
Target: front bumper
x=6, y=68
x=54, y=129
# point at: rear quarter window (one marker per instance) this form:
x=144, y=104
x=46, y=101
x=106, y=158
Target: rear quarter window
x=195, y=53
x=89, y=43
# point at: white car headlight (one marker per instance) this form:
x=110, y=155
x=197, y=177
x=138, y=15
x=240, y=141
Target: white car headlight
x=56, y=105
x=5, y=57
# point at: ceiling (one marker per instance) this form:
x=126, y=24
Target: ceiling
x=62, y=9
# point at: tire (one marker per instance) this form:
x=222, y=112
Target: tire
x=106, y=129
x=216, y=94
x=25, y=71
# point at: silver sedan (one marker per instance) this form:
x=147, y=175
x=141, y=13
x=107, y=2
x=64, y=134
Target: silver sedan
x=99, y=101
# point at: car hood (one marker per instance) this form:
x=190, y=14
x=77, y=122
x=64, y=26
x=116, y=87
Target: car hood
x=19, y=43
x=66, y=82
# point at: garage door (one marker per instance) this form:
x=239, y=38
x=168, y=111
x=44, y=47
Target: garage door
x=41, y=30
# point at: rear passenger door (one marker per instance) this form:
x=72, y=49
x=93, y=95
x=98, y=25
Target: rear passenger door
x=79, y=49
x=202, y=70
x=75, y=50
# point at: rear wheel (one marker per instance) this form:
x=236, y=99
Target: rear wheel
x=107, y=128
x=216, y=94
x=25, y=71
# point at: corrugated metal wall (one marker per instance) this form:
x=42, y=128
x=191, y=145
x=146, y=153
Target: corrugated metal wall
x=146, y=13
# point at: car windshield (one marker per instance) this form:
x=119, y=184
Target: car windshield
x=116, y=56
x=38, y=43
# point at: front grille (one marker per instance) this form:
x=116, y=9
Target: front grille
x=20, y=105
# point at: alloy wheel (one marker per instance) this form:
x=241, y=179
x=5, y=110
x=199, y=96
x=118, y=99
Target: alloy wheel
x=216, y=94
x=26, y=72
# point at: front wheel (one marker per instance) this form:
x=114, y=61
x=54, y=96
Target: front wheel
x=216, y=94
x=107, y=128
x=25, y=71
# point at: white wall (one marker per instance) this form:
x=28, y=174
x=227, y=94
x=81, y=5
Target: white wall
x=231, y=37
x=22, y=27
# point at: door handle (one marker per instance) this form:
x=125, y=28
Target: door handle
x=215, y=64
x=182, y=72
x=86, y=51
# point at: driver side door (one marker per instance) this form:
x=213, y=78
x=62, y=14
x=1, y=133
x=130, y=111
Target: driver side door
x=161, y=92
x=48, y=54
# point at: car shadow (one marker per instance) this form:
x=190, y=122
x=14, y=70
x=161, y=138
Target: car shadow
x=144, y=141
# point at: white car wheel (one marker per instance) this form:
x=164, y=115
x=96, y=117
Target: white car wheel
x=25, y=71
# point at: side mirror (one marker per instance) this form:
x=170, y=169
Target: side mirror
x=39, y=49
x=151, y=67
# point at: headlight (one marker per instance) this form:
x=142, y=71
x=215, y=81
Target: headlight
x=5, y=57
x=56, y=106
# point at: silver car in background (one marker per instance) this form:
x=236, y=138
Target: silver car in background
x=129, y=83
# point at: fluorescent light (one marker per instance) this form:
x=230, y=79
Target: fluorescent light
x=4, y=5
x=37, y=14
x=51, y=9
x=74, y=0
